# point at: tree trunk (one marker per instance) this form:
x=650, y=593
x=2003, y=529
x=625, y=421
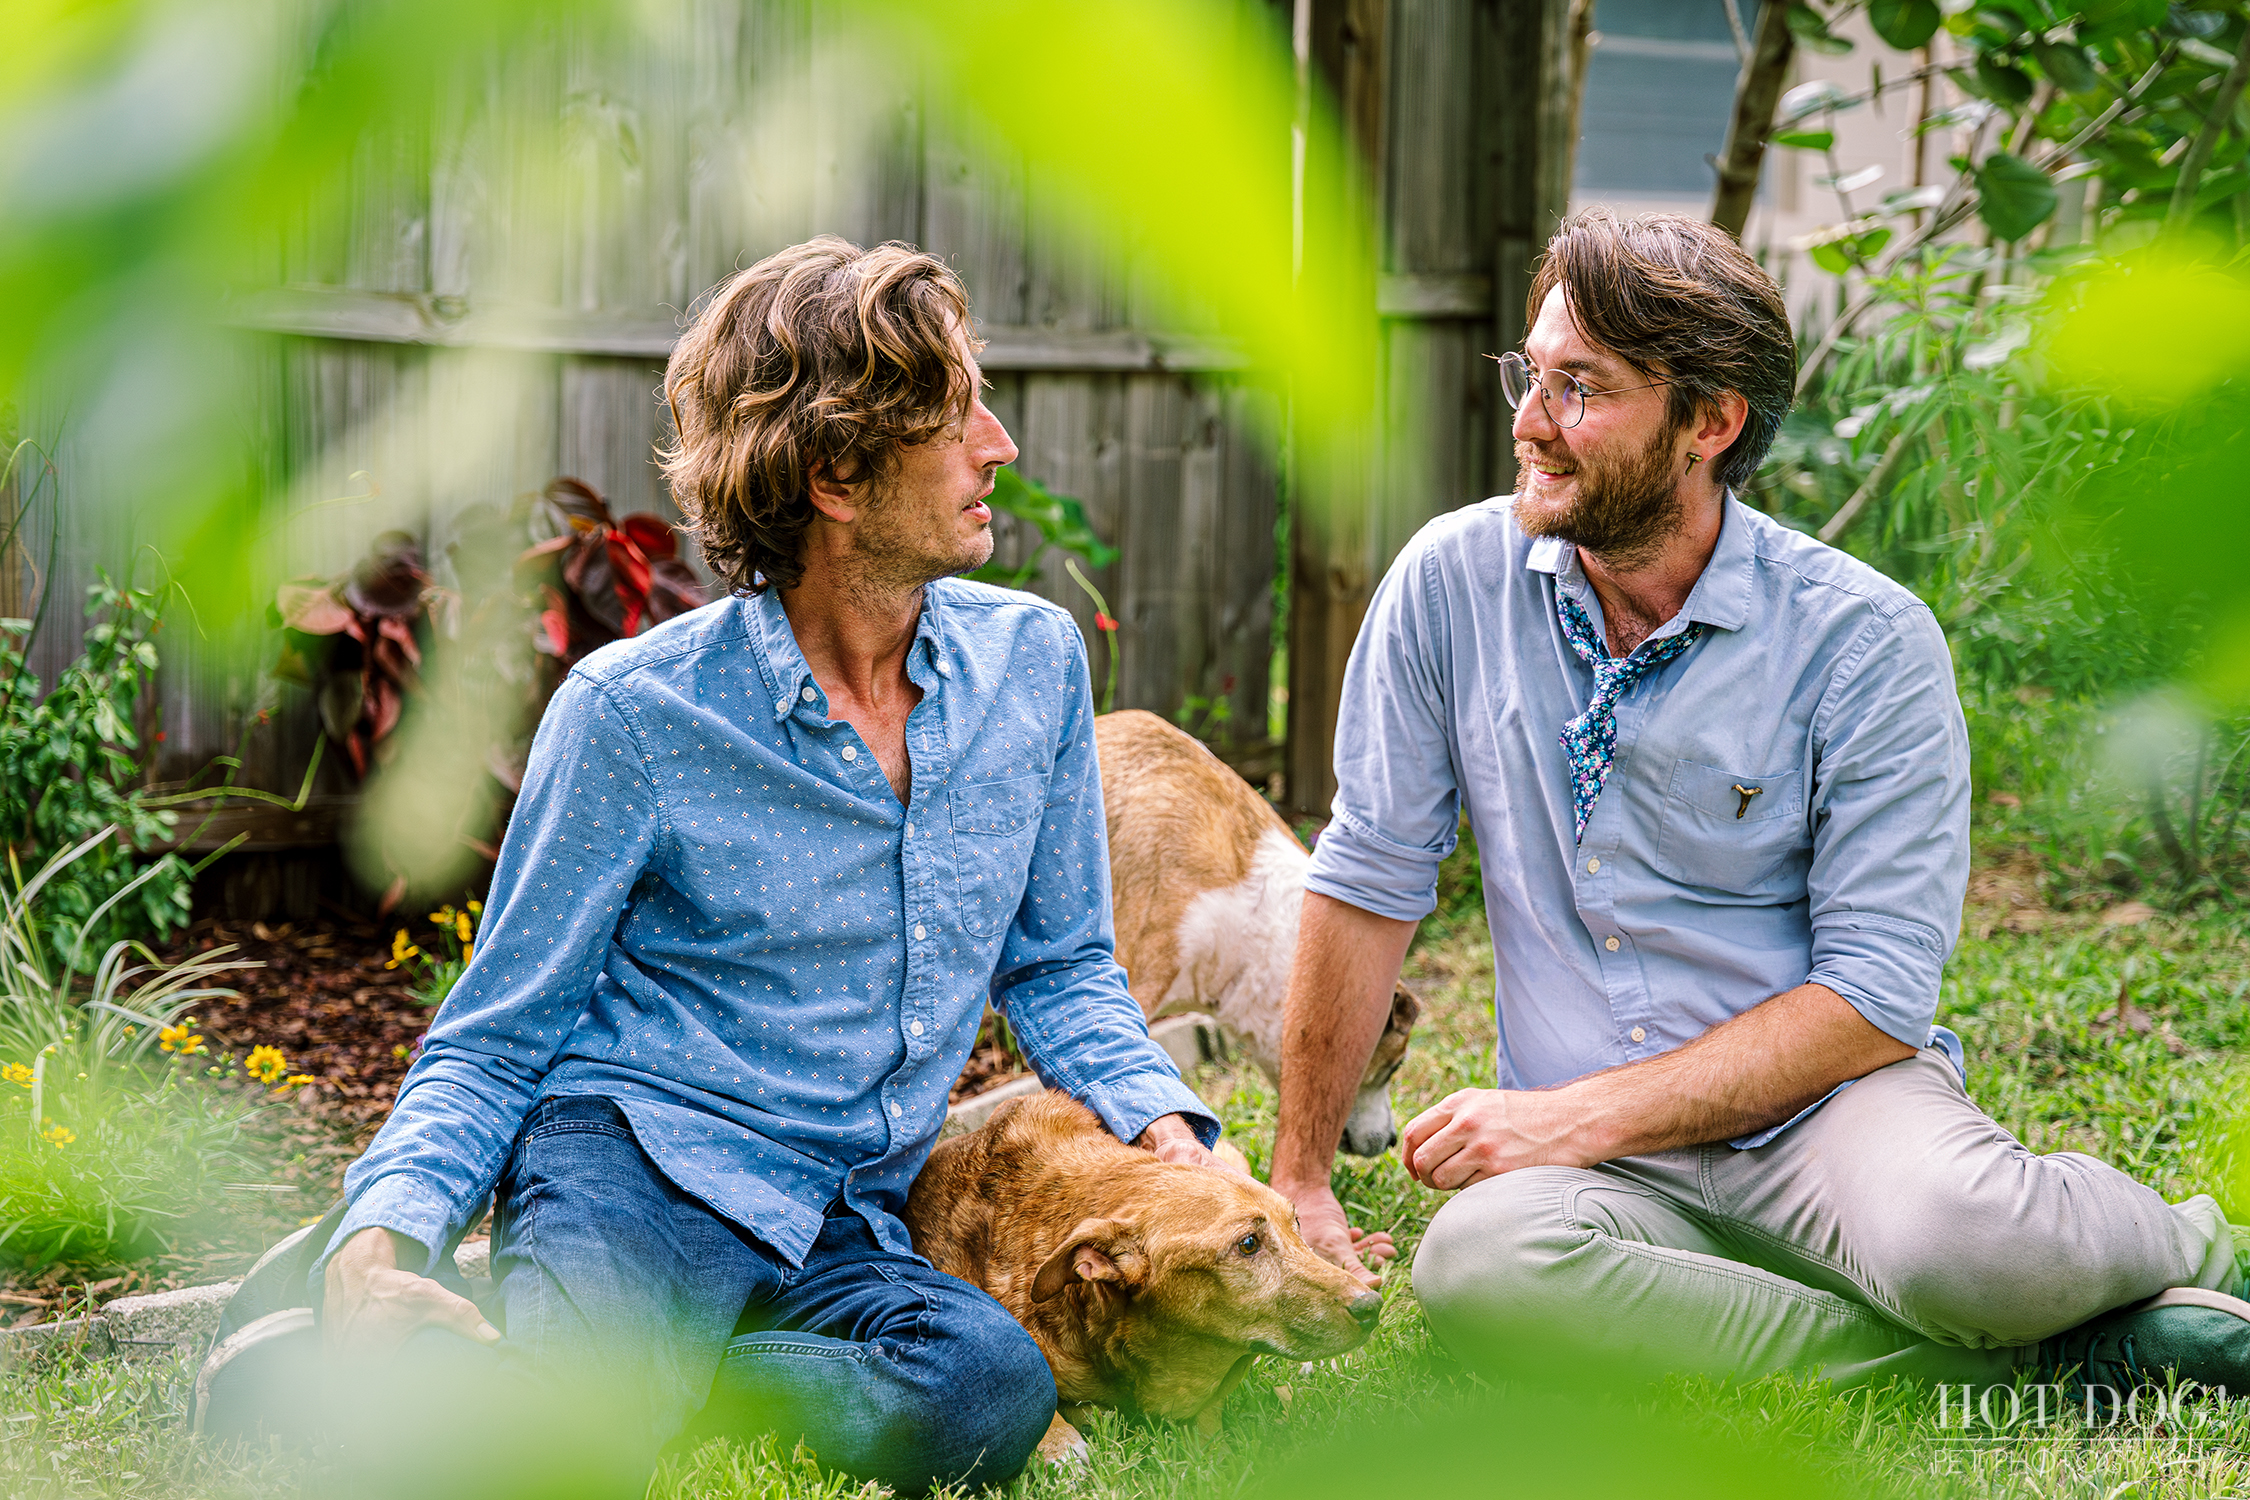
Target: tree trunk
x=1756, y=91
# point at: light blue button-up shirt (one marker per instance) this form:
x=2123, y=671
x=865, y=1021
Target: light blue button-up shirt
x=712, y=908
x=1820, y=683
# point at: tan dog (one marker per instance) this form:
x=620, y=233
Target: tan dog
x=1148, y=1286
x=1207, y=881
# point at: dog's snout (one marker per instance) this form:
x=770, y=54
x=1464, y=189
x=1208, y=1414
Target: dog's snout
x=1367, y=1306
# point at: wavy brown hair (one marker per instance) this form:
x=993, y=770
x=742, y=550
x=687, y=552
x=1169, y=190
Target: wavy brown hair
x=823, y=358
x=1677, y=299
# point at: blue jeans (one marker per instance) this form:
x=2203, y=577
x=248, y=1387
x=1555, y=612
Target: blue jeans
x=636, y=1318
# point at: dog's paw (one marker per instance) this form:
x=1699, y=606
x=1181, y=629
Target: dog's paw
x=1062, y=1446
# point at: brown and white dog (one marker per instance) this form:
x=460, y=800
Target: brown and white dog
x=1207, y=882
x=1149, y=1286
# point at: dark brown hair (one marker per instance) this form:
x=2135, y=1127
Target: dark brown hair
x=821, y=357
x=1677, y=299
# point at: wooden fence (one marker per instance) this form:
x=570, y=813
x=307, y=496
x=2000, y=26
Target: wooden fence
x=441, y=333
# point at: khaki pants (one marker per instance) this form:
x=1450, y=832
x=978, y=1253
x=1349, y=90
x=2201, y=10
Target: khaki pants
x=1897, y=1231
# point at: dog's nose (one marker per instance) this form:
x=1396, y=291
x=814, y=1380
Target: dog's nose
x=1367, y=1306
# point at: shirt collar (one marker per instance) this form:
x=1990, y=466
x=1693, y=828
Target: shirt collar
x=791, y=677
x=1721, y=596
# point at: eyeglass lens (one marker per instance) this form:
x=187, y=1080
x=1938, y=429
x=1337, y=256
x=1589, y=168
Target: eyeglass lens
x=1564, y=399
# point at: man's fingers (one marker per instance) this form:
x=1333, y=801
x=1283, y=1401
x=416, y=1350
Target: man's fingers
x=1433, y=1153
x=1428, y=1123
x=1373, y=1249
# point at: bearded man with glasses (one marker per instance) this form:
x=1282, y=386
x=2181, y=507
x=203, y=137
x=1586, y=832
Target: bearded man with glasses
x=1719, y=781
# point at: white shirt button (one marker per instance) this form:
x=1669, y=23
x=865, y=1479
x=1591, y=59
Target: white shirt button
x=896, y=1111
x=910, y=830
x=1610, y=944
x=1639, y=1035
x=851, y=752
x=1593, y=867
x=919, y=934
x=781, y=705
x=914, y=1028
x=808, y=694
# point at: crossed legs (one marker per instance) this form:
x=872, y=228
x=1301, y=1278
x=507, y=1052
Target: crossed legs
x=1897, y=1230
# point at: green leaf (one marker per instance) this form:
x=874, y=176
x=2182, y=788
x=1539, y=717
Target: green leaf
x=1834, y=257
x=2066, y=67
x=2102, y=19
x=2001, y=18
x=1806, y=140
x=2001, y=83
x=1904, y=24
x=2013, y=196
x=1812, y=31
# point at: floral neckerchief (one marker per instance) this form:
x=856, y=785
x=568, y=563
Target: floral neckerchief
x=1590, y=740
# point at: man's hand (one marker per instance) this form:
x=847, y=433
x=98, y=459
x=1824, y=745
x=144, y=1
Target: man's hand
x=372, y=1307
x=1472, y=1134
x=1320, y=1219
x=1744, y=1074
x=1172, y=1138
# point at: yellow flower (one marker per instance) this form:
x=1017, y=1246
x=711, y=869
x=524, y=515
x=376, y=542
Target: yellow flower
x=59, y=1135
x=443, y=916
x=468, y=951
x=180, y=1038
x=298, y=1080
x=475, y=908
x=401, y=950
x=266, y=1064
x=17, y=1073
x=462, y=926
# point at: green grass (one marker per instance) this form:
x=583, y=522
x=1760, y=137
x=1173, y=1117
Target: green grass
x=1395, y=1416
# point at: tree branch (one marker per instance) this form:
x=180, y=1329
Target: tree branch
x=2207, y=139
x=1741, y=37
x=1957, y=207
x=1756, y=91
x=1886, y=470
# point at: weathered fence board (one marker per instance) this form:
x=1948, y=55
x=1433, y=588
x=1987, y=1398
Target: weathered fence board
x=462, y=320
x=1447, y=103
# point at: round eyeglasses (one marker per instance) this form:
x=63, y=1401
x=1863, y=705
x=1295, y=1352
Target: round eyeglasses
x=1561, y=394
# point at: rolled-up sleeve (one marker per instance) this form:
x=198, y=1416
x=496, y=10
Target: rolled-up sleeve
x=1058, y=981
x=1890, y=825
x=1397, y=810
x=580, y=835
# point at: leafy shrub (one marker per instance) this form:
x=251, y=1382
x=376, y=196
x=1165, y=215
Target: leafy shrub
x=116, y=1121
x=70, y=764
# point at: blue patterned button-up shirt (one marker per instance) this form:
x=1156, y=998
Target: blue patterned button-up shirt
x=1789, y=799
x=712, y=908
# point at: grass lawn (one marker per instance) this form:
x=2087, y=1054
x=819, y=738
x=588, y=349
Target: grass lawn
x=2053, y=1057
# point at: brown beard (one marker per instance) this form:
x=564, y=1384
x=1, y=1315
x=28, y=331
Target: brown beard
x=1628, y=506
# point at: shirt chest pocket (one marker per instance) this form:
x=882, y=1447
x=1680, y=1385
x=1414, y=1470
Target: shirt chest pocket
x=995, y=828
x=1729, y=831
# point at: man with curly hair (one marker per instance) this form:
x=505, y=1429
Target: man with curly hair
x=770, y=860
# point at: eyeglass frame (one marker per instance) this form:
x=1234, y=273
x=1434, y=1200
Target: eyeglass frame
x=1539, y=384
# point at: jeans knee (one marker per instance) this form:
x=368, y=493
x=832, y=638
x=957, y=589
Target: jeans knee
x=1015, y=1401
x=973, y=1407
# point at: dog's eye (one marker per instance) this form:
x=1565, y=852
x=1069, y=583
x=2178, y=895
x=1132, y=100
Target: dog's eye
x=1248, y=1244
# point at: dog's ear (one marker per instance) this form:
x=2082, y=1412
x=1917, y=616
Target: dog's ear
x=1406, y=1009
x=1097, y=1250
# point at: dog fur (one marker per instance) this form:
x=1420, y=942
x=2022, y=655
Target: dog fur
x=1207, y=882
x=1149, y=1286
